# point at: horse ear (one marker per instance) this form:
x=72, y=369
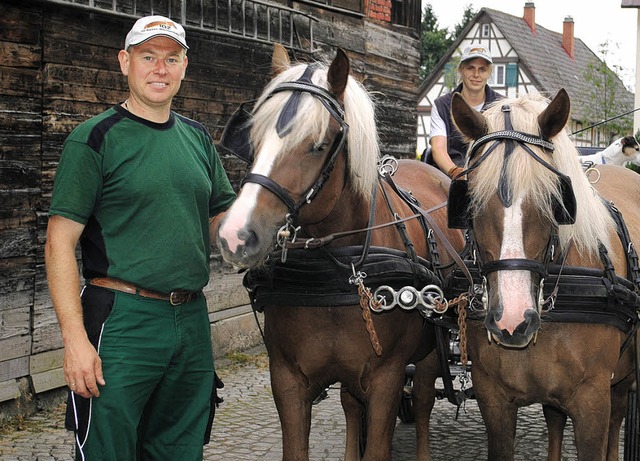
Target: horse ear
x=339, y=74
x=554, y=118
x=280, y=59
x=469, y=121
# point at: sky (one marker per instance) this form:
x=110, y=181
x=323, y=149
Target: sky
x=595, y=22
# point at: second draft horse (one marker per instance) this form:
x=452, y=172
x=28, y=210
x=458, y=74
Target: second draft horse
x=536, y=220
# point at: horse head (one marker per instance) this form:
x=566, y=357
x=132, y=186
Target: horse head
x=522, y=171
x=296, y=140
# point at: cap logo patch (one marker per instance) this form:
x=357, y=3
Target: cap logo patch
x=161, y=24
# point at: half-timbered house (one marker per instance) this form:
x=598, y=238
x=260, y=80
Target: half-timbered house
x=528, y=58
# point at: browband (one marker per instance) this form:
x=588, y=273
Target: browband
x=514, y=135
x=327, y=99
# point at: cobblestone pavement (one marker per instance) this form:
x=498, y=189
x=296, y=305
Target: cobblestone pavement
x=247, y=428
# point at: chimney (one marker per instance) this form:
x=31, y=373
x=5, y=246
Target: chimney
x=567, y=36
x=530, y=16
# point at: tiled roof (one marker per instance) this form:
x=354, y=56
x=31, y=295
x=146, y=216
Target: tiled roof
x=546, y=62
x=551, y=66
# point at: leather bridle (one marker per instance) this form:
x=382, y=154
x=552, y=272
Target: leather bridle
x=328, y=100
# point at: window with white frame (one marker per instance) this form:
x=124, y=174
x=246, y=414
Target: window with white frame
x=498, y=76
x=486, y=30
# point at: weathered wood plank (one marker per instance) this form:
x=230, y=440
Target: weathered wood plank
x=14, y=321
x=20, y=55
x=14, y=347
x=17, y=23
x=47, y=337
x=45, y=381
x=9, y=390
x=14, y=368
x=16, y=242
x=46, y=361
x=16, y=280
x=22, y=214
x=225, y=291
x=19, y=174
x=20, y=82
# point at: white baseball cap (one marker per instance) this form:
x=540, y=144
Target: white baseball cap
x=476, y=51
x=155, y=26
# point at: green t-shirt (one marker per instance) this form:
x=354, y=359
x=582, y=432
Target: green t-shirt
x=145, y=192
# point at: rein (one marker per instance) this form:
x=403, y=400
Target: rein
x=316, y=242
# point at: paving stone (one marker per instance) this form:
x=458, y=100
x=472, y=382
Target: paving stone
x=247, y=428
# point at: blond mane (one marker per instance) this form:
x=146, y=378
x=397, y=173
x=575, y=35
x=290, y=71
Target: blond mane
x=312, y=120
x=530, y=180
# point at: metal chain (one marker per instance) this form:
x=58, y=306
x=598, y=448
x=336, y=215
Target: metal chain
x=428, y=300
x=287, y=233
x=387, y=165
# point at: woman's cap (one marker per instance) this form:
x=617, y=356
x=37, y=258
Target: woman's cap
x=476, y=51
x=155, y=26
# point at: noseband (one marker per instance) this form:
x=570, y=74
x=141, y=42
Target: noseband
x=283, y=127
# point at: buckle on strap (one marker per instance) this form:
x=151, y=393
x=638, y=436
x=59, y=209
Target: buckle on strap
x=180, y=297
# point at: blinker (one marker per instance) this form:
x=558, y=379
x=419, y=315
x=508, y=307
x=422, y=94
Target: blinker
x=458, y=209
x=565, y=213
x=290, y=109
x=236, y=134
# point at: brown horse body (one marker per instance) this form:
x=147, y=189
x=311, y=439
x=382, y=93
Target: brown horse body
x=573, y=369
x=312, y=347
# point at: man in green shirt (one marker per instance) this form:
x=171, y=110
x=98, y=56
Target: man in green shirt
x=142, y=189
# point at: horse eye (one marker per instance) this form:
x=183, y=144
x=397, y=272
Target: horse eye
x=318, y=148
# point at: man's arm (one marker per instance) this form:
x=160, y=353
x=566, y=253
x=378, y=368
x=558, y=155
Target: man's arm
x=82, y=365
x=214, y=222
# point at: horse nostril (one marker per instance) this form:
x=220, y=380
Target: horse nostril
x=248, y=236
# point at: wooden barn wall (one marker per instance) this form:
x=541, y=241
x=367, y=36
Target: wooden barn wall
x=60, y=67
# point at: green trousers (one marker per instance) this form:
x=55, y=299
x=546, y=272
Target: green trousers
x=158, y=367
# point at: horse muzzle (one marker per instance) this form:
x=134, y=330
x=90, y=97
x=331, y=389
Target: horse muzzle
x=520, y=336
x=243, y=245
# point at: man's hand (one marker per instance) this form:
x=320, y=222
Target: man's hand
x=83, y=368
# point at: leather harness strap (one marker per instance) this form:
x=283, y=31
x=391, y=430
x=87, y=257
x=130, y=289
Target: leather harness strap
x=175, y=297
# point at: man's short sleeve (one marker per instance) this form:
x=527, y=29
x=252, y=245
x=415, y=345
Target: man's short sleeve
x=78, y=182
x=222, y=194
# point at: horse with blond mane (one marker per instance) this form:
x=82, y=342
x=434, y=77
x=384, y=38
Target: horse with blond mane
x=560, y=275
x=319, y=222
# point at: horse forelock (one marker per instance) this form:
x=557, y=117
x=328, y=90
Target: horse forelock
x=533, y=182
x=312, y=120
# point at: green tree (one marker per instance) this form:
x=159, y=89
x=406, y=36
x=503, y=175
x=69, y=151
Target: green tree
x=435, y=41
x=605, y=87
x=467, y=16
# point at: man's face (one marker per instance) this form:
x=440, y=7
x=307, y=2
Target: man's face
x=475, y=73
x=154, y=70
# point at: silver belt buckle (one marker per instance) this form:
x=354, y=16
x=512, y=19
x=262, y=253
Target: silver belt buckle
x=171, y=300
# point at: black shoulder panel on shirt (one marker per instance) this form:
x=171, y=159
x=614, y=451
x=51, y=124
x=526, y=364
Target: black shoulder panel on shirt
x=196, y=125
x=96, y=137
